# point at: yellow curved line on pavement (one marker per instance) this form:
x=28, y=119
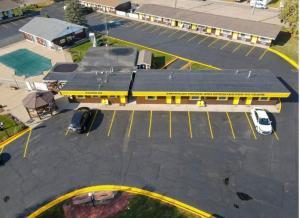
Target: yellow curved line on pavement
x=285, y=57
x=153, y=49
x=128, y=189
x=14, y=137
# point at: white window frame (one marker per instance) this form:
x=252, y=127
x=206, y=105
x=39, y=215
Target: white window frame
x=151, y=98
x=222, y=98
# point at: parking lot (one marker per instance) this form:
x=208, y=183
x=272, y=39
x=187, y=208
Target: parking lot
x=97, y=20
x=174, y=125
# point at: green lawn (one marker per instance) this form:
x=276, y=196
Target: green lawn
x=11, y=127
x=287, y=45
x=141, y=207
x=79, y=51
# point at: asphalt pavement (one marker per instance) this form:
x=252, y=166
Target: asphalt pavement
x=170, y=161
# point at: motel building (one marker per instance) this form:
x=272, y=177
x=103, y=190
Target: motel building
x=9, y=9
x=108, y=6
x=202, y=88
x=252, y=32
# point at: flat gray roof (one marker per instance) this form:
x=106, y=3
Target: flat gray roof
x=106, y=57
x=49, y=28
x=92, y=81
x=61, y=72
x=110, y=3
x=205, y=19
x=6, y=5
x=207, y=81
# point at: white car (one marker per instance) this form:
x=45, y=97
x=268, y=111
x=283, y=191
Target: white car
x=261, y=121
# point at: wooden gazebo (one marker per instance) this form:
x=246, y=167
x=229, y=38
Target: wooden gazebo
x=39, y=104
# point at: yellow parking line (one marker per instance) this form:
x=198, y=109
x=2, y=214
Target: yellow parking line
x=275, y=134
x=131, y=121
x=169, y=62
x=190, y=125
x=2, y=149
x=129, y=24
x=250, y=51
x=140, y=25
x=155, y=29
x=193, y=37
x=251, y=127
x=26, y=145
x=237, y=48
x=185, y=66
x=87, y=134
x=225, y=45
x=173, y=33
x=166, y=30
x=147, y=28
x=170, y=124
x=230, y=124
x=67, y=132
x=150, y=125
x=213, y=42
x=111, y=123
x=263, y=54
x=180, y=37
x=210, y=127
x=202, y=40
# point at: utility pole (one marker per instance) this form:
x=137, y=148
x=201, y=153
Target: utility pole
x=254, y=7
x=106, y=29
x=175, y=5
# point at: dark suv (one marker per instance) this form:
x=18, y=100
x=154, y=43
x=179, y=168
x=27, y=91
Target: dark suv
x=80, y=120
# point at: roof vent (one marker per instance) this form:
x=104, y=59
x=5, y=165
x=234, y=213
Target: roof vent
x=171, y=76
x=236, y=72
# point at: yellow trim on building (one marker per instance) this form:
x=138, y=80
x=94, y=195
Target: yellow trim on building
x=248, y=101
x=94, y=93
x=218, y=32
x=235, y=35
x=213, y=94
x=208, y=30
x=177, y=99
x=254, y=39
x=169, y=99
x=173, y=23
x=123, y=99
x=236, y=100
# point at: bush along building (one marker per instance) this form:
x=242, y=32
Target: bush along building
x=110, y=76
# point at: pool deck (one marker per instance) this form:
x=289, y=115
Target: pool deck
x=55, y=56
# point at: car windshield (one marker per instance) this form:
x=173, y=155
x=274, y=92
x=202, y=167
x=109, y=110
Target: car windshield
x=264, y=121
x=76, y=119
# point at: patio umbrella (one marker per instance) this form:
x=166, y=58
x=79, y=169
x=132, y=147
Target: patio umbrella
x=36, y=100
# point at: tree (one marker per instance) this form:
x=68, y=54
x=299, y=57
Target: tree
x=74, y=13
x=289, y=16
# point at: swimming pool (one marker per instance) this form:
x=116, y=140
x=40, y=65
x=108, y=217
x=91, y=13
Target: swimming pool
x=26, y=62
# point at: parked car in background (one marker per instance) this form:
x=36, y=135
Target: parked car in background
x=261, y=121
x=80, y=120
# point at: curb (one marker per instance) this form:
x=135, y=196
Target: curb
x=128, y=189
x=285, y=57
x=14, y=137
x=153, y=49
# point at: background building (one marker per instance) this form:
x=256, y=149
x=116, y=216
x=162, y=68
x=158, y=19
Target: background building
x=254, y=32
x=110, y=6
x=52, y=33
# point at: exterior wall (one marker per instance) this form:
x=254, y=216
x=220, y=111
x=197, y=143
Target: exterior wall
x=207, y=100
x=69, y=39
x=233, y=35
x=96, y=99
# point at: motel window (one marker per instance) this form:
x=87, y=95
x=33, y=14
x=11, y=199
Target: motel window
x=263, y=99
x=62, y=41
x=95, y=96
x=195, y=98
x=151, y=98
x=226, y=32
x=113, y=96
x=222, y=98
